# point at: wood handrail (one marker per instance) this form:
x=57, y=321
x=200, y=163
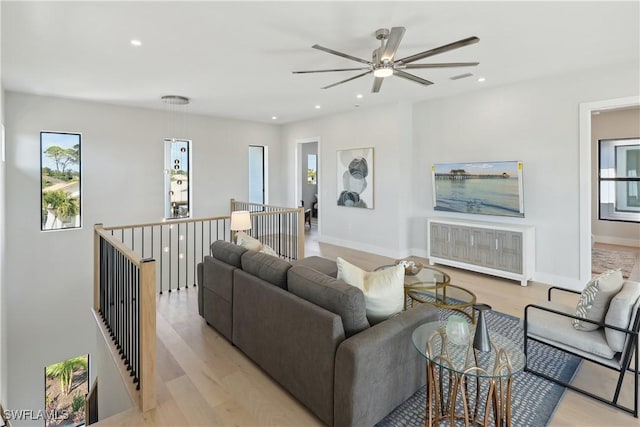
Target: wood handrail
x=165, y=222
x=146, y=288
x=121, y=247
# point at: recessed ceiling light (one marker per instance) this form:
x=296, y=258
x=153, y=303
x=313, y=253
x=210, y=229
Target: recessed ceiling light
x=359, y=96
x=274, y=117
x=136, y=42
x=317, y=107
x=481, y=79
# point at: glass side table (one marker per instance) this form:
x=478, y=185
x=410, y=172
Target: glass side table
x=451, y=368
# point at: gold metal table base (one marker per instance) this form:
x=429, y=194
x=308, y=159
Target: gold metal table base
x=441, y=401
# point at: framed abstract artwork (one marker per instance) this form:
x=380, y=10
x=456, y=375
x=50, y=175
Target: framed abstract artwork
x=355, y=177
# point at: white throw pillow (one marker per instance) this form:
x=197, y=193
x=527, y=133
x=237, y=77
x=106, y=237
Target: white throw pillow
x=383, y=290
x=595, y=298
x=246, y=241
x=266, y=249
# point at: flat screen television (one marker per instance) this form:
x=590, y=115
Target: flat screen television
x=486, y=188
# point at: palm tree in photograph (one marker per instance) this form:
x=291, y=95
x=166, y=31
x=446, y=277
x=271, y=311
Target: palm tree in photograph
x=62, y=204
x=64, y=370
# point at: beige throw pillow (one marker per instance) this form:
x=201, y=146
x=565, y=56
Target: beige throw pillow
x=383, y=290
x=246, y=241
x=595, y=298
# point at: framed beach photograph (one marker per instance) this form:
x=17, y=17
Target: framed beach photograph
x=486, y=188
x=355, y=178
x=60, y=179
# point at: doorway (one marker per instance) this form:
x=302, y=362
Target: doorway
x=586, y=209
x=308, y=178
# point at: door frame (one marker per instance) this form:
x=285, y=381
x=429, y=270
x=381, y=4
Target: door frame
x=586, y=214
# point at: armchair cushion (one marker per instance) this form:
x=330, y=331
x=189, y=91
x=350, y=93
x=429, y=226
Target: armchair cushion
x=595, y=298
x=554, y=327
x=619, y=314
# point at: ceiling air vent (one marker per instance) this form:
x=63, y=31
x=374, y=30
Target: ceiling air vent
x=461, y=76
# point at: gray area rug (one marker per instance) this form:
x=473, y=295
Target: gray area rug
x=607, y=259
x=533, y=399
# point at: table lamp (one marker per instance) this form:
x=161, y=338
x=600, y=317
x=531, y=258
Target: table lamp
x=240, y=221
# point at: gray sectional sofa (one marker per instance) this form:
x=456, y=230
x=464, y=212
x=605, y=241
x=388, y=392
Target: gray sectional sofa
x=310, y=333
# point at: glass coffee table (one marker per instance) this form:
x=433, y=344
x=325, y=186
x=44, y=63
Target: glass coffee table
x=480, y=380
x=433, y=286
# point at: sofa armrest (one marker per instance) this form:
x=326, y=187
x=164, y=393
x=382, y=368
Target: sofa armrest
x=378, y=368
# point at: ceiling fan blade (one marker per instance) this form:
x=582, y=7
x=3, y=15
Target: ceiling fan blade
x=395, y=36
x=377, y=82
x=441, y=65
x=411, y=77
x=347, y=80
x=329, y=71
x=344, y=55
x=438, y=50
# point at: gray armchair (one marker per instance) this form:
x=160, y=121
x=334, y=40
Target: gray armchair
x=612, y=344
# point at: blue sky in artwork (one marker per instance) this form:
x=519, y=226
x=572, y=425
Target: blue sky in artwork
x=480, y=167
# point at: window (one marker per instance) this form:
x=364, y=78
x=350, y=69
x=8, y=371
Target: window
x=619, y=179
x=60, y=183
x=177, y=178
x=257, y=174
x=312, y=172
x=66, y=388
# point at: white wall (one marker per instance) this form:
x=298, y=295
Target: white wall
x=50, y=274
x=536, y=122
x=3, y=282
x=611, y=125
x=380, y=128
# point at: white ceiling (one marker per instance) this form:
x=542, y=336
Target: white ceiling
x=234, y=59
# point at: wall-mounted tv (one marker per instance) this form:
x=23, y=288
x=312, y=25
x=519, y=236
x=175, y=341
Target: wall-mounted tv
x=486, y=188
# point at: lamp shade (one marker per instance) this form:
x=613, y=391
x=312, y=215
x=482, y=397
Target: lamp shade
x=240, y=220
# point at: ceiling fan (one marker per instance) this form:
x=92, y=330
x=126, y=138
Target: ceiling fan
x=383, y=63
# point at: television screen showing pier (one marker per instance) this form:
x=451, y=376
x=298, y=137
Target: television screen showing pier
x=487, y=188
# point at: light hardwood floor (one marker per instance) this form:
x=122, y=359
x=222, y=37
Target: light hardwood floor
x=203, y=380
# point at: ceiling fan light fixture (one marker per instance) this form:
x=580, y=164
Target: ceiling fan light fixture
x=383, y=72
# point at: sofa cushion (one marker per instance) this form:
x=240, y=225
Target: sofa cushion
x=334, y=295
x=323, y=265
x=266, y=267
x=619, y=313
x=595, y=298
x=248, y=242
x=383, y=289
x=227, y=252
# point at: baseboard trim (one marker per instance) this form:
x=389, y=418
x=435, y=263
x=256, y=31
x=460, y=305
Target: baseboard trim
x=562, y=281
x=617, y=241
x=377, y=250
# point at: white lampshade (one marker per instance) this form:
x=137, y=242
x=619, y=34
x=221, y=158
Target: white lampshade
x=240, y=220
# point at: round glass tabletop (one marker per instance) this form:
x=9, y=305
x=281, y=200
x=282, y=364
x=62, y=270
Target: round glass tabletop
x=504, y=359
x=427, y=275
